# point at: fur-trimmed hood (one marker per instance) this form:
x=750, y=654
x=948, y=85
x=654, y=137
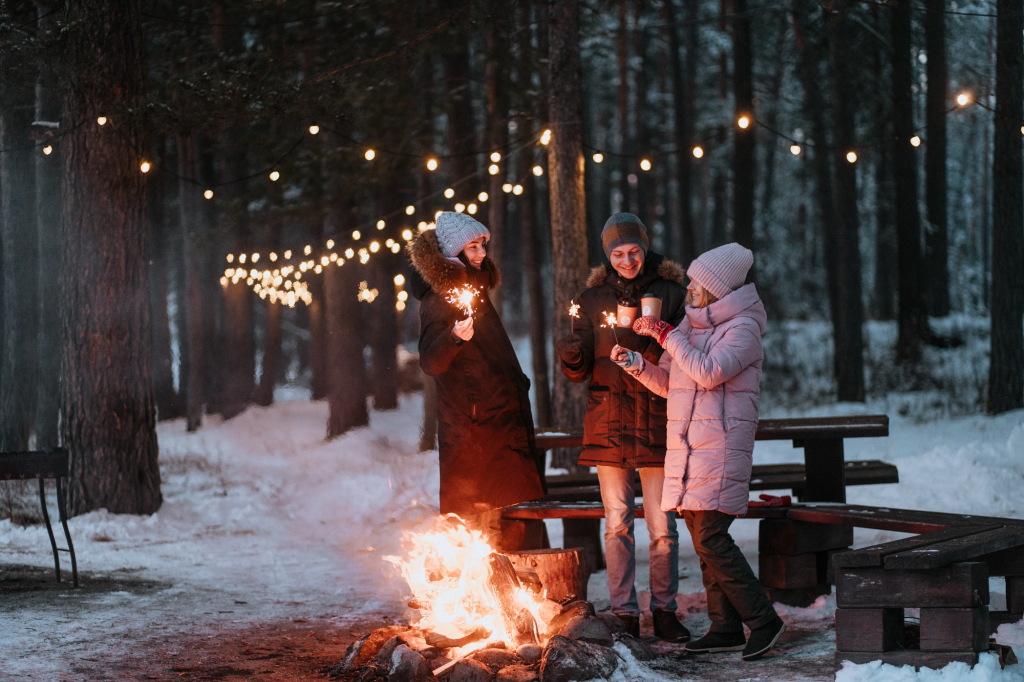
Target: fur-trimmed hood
x=439, y=274
x=665, y=268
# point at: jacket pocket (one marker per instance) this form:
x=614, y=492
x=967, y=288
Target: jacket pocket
x=597, y=421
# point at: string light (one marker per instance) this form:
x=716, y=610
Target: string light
x=370, y=154
x=374, y=247
x=437, y=214
x=507, y=187
x=333, y=257
x=403, y=295
x=851, y=157
x=355, y=236
x=330, y=243
x=406, y=235
x=223, y=281
x=449, y=193
x=324, y=260
x=460, y=207
x=963, y=99
x=230, y=258
x=273, y=257
x=471, y=209
x=145, y=167
x=274, y=176
x=255, y=258
x=698, y=152
x=400, y=306
x=645, y=164
x=308, y=250
x=102, y=120
x=495, y=157
x=288, y=254
x=241, y=258
x=743, y=122
x=794, y=150
x=399, y=279
x=395, y=248
x=389, y=242
x=349, y=253
x=545, y=137
x=598, y=158
x=431, y=164
x=421, y=226
x=47, y=150
x=380, y=224
x=493, y=169
x=410, y=209
x=538, y=171
x=483, y=196
x=313, y=130
x=517, y=190
x=208, y=194
x=915, y=141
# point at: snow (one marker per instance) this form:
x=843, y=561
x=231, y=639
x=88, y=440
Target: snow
x=263, y=518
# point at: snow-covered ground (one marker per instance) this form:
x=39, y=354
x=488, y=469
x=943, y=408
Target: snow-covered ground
x=265, y=521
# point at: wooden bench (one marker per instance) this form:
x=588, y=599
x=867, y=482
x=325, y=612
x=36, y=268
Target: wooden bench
x=42, y=465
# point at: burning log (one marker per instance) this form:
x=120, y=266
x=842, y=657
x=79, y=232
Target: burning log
x=505, y=585
x=440, y=641
x=562, y=572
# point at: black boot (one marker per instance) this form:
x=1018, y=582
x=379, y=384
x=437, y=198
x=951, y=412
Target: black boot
x=717, y=642
x=632, y=624
x=762, y=639
x=668, y=627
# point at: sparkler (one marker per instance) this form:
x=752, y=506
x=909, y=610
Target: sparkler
x=574, y=312
x=462, y=298
x=609, y=321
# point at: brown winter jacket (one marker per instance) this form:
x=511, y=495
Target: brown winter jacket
x=625, y=425
x=485, y=427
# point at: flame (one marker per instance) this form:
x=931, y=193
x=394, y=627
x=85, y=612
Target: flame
x=462, y=298
x=574, y=309
x=448, y=572
x=609, y=319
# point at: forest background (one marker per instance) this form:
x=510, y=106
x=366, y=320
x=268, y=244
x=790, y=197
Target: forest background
x=202, y=202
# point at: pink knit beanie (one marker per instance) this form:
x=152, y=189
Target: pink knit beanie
x=723, y=270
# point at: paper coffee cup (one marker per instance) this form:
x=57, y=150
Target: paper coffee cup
x=626, y=315
x=650, y=306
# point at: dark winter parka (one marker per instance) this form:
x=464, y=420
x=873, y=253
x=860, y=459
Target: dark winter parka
x=485, y=427
x=625, y=425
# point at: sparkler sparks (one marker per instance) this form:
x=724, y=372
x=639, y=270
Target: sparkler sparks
x=574, y=313
x=462, y=298
x=609, y=321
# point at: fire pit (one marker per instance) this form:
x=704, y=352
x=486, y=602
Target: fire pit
x=482, y=614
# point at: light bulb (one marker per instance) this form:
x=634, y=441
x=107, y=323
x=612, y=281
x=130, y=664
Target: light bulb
x=400, y=306
x=288, y=254
x=598, y=158
x=356, y=234
x=962, y=99
x=324, y=260
x=851, y=157
x=308, y=250
x=231, y=258
x=102, y=120
x=333, y=257
x=471, y=209
x=395, y=248
x=330, y=243
x=460, y=207
x=915, y=141
x=255, y=257
x=538, y=171
x=274, y=176
x=349, y=253
x=698, y=152
x=389, y=242
x=48, y=150
x=403, y=295
x=374, y=247
x=794, y=150
x=493, y=169
x=431, y=164
x=144, y=167
x=545, y=137
x=743, y=122
x=399, y=279
x=380, y=224
x=517, y=190
x=208, y=194
x=438, y=214
x=409, y=210
x=370, y=154
x=406, y=235
x=507, y=187
x=645, y=164
x=495, y=157
x=449, y=193
x=422, y=225
x=241, y=258
x=313, y=130
x=273, y=257
x=483, y=196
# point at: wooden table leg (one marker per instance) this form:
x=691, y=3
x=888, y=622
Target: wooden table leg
x=49, y=529
x=825, y=468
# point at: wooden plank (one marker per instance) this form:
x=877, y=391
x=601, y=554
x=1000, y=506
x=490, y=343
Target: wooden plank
x=34, y=464
x=1008, y=562
x=776, y=536
x=1015, y=594
x=875, y=554
x=869, y=629
x=881, y=518
x=958, y=585
x=958, y=549
x=788, y=571
x=949, y=629
x=826, y=569
x=914, y=657
x=826, y=475
x=594, y=510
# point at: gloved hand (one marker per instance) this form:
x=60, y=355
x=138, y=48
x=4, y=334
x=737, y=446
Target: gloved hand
x=628, y=360
x=569, y=349
x=771, y=501
x=653, y=327
x=463, y=329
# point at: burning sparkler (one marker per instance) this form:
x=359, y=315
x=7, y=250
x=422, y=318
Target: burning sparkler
x=462, y=298
x=609, y=321
x=574, y=312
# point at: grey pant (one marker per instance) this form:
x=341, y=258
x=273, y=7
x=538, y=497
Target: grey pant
x=735, y=596
x=617, y=495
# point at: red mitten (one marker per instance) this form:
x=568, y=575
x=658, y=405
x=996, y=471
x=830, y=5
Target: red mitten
x=772, y=501
x=653, y=327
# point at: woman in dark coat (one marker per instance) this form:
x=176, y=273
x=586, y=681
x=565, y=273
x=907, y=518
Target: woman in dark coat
x=625, y=426
x=485, y=426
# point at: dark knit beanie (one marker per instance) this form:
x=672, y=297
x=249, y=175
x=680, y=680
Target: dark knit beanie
x=623, y=228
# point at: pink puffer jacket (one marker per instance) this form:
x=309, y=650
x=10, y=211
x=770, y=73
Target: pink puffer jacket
x=711, y=374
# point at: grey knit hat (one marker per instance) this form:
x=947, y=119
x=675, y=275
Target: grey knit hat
x=455, y=230
x=723, y=270
x=623, y=228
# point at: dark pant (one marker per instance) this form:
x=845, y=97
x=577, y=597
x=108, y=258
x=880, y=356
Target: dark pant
x=735, y=596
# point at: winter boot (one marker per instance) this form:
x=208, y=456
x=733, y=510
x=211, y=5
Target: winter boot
x=717, y=642
x=631, y=622
x=668, y=627
x=762, y=639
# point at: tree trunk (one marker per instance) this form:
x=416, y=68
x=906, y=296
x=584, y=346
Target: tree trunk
x=886, y=266
x=496, y=78
x=190, y=338
x=911, y=320
x=568, y=207
x=461, y=129
x=682, y=242
x=743, y=162
x=428, y=430
x=535, y=291
x=936, y=258
x=271, y=365
x=645, y=185
x=18, y=359
x=1006, y=371
x=107, y=414
x=347, y=392
x=317, y=342
x=847, y=325
x=48, y=205
x=628, y=202
x=384, y=331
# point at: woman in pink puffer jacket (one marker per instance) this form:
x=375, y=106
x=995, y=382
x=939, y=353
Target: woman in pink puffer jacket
x=711, y=373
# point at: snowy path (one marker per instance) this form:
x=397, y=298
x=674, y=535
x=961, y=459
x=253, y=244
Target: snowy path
x=265, y=523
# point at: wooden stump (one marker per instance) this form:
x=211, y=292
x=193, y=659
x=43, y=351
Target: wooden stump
x=562, y=572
